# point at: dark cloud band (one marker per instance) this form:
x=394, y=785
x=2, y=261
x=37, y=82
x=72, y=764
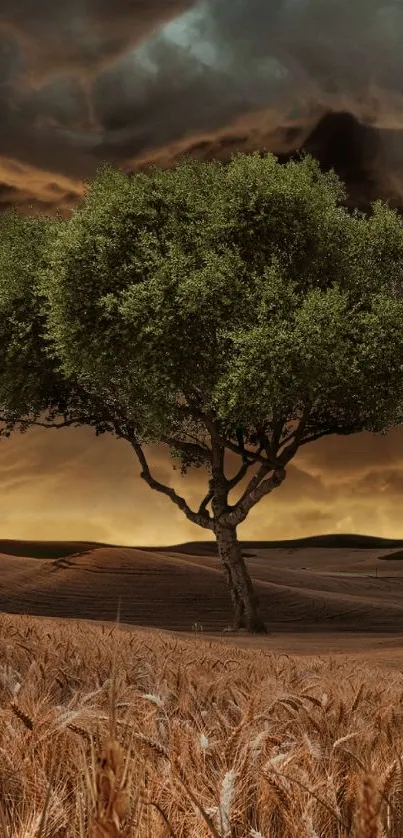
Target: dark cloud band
x=129, y=81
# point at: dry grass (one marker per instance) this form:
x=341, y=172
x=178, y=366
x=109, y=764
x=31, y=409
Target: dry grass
x=114, y=734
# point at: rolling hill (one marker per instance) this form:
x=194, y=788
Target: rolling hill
x=323, y=583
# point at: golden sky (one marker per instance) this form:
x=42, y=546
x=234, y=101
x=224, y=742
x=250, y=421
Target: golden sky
x=70, y=484
x=90, y=81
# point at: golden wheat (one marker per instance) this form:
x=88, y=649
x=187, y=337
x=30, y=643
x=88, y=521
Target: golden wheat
x=108, y=733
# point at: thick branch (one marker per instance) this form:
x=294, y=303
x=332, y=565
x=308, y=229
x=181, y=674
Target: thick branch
x=288, y=438
x=203, y=518
x=196, y=440
x=246, y=464
x=243, y=507
x=203, y=506
x=254, y=482
x=239, y=475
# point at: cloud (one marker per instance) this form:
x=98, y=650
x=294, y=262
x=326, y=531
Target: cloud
x=82, y=35
x=352, y=457
x=252, y=73
x=48, y=56
x=82, y=83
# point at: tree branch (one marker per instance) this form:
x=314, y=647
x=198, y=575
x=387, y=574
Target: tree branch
x=278, y=425
x=254, y=483
x=202, y=518
x=66, y=424
x=290, y=450
x=203, y=506
x=196, y=440
x=239, y=475
x=258, y=486
x=188, y=447
x=243, y=507
x=34, y=423
x=255, y=456
x=329, y=431
x=208, y=421
x=288, y=438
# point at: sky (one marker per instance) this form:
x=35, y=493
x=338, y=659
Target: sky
x=132, y=81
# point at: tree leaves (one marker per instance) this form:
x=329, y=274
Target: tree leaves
x=242, y=291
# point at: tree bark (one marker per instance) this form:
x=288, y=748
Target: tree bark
x=237, y=602
x=244, y=599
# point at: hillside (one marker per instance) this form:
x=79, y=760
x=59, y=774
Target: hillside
x=328, y=583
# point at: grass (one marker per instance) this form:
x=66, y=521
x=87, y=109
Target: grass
x=106, y=733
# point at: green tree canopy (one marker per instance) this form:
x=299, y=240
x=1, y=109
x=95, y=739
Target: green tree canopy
x=220, y=309
x=32, y=387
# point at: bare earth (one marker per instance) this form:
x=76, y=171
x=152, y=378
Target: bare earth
x=334, y=595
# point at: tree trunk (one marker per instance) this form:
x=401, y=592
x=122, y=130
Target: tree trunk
x=237, y=602
x=244, y=599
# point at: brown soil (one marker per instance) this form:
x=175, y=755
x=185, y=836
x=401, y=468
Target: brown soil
x=316, y=599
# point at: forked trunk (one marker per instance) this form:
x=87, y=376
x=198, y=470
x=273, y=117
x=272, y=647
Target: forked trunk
x=244, y=599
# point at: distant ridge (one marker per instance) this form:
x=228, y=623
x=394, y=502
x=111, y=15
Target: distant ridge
x=59, y=549
x=337, y=540
x=44, y=549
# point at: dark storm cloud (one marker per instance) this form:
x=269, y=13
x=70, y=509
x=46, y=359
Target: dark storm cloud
x=85, y=82
x=264, y=71
x=81, y=34
x=48, y=52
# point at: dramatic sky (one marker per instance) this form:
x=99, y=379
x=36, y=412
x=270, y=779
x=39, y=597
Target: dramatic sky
x=92, y=81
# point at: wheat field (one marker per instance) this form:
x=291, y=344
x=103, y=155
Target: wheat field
x=108, y=733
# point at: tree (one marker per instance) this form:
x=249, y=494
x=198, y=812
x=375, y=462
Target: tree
x=229, y=311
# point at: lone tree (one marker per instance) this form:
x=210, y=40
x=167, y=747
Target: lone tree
x=232, y=312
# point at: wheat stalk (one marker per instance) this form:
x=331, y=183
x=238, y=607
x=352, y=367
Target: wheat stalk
x=112, y=799
x=368, y=821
